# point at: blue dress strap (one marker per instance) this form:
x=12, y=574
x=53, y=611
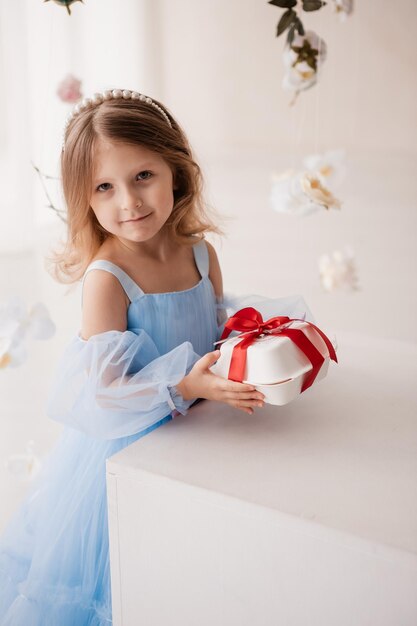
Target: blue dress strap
x=201, y=257
x=131, y=289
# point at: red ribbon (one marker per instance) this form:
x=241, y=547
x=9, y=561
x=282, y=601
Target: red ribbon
x=251, y=325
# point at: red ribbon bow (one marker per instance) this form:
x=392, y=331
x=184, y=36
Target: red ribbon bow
x=251, y=325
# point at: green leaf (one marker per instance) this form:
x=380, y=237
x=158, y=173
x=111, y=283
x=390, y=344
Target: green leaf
x=299, y=27
x=290, y=35
x=312, y=5
x=286, y=20
x=283, y=4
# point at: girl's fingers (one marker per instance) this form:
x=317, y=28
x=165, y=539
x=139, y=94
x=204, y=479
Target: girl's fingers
x=247, y=395
x=248, y=404
x=208, y=359
x=245, y=409
x=230, y=385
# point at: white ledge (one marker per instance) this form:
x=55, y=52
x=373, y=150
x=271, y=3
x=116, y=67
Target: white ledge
x=335, y=472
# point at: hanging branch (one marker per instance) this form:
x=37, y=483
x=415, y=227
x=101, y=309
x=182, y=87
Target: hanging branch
x=290, y=20
x=59, y=212
x=304, y=52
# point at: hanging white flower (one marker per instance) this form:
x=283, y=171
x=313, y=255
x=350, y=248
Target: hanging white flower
x=343, y=8
x=5, y=358
x=38, y=323
x=299, y=78
x=330, y=167
x=316, y=191
x=287, y=195
x=338, y=270
x=24, y=466
x=12, y=352
x=16, y=324
x=300, y=193
x=303, y=59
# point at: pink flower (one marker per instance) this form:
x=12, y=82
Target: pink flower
x=69, y=90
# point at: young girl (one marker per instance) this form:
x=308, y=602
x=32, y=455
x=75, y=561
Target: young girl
x=136, y=228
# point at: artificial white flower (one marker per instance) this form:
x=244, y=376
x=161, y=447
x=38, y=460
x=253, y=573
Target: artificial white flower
x=5, y=358
x=299, y=78
x=39, y=324
x=343, y=8
x=338, y=270
x=300, y=193
x=11, y=334
x=287, y=195
x=317, y=192
x=16, y=324
x=303, y=59
x=24, y=466
x=12, y=352
x=329, y=167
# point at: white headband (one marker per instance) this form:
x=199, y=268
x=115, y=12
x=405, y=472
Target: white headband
x=115, y=94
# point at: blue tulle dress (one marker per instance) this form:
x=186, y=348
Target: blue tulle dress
x=108, y=392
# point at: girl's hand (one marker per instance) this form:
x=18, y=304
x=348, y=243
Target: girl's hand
x=202, y=383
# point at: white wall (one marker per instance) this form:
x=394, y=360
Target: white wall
x=222, y=77
x=218, y=67
x=223, y=72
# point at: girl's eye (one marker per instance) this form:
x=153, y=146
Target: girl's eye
x=106, y=186
x=146, y=172
x=100, y=187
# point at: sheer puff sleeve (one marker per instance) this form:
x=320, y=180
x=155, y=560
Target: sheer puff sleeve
x=117, y=384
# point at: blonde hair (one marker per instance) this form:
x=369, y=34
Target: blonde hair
x=134, y=122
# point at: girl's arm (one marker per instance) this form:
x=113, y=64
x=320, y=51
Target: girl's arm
x=215, y=273
x=112, y=382
x=104, y=304
x=105, y=307
x=216, y=278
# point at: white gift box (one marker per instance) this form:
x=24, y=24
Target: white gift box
x=274, y=364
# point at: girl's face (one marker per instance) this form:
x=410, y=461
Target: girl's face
x=132, y=190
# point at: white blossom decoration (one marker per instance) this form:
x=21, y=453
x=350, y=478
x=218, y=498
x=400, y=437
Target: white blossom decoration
x=330, y=167
x=343, y=8
x=303, y=59
x=300, y=193
x=24, y=466
x=338, y=271
x=317, y=193
x=16, y=325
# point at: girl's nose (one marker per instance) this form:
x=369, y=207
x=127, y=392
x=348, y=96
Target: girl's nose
x=130, y=201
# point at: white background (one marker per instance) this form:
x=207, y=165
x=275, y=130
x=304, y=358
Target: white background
x=217, y=66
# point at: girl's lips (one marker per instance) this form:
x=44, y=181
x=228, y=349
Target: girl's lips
x=137, y=219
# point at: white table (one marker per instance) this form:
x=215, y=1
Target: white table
x=302, y=515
